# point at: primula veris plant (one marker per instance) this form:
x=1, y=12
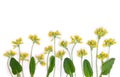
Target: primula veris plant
x=100, y=32
x=64, y=56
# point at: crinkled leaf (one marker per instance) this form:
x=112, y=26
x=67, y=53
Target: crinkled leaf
x=15, y=66
x=87, y=68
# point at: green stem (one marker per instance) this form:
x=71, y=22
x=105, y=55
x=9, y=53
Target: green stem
x=97, y=59
x=8, y=61
x=61, y=68
x=71, y=75
x=101, y=68
x=91, y=58
x=108, y=57
x=54, y=45
x=18, y=75
x=82, y=66
x=48, y=60
x=54, y=39
x=31, y=50
x=22, y=70
x=68, y=51
x=108, y=52
x=72, y=55
x=19, y=52
x=100, y=75
x=72, y=51
x=32, y=76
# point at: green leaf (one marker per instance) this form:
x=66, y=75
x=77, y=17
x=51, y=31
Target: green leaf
x=15, y=66
x=32, y=66
x=69, y=67
x=107, y=66
x=87, y=68
x=51, y=65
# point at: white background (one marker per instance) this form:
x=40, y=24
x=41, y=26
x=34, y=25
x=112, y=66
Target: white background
x=82, y=17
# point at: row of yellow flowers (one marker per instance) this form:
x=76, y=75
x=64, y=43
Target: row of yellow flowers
x=76, y=39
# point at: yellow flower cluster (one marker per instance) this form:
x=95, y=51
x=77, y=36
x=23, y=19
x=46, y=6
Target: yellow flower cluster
x=81, y=53
x=75, y=39
x=102, y=56
x=17, y=42
x=92, y=43
x=64, y=44
x=54, y=34
x=40, y=59
x=109, y=42
x=10, y=53
x=23, y=56
x=60, y=54
x=100, y=32
x=35, y=39
x=48, y=49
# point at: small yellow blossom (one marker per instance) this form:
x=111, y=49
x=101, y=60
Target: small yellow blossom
x=64, y=44
x=102, y=56
x=100, y=32
x=54, y=34
x=40, y=57
x=92, y=43
x=48, y=49
x=60, y=54
x=42, y=63
x=75, y=39
x=17, y=42
x=109, y=42
x=23, y=56
x=81, y=53
x=35, y=39
x=10, y=53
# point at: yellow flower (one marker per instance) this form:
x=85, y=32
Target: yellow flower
x=100, y=32
x=54, y=34
x=42, y=63
x=40, y=57
x=102, y=56
x=35, y=39
x=23, y=56
x=60, y=54
x=109, y=42
x=92, y=43
x=10, y=53
x=48, y=49
x=81, y=53
x=64, y=44
x=75, y=39
x=17, y=42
